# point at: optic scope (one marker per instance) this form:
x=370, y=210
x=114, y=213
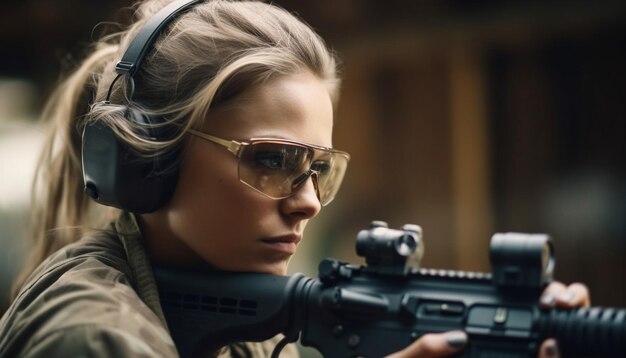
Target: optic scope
x=388, y=250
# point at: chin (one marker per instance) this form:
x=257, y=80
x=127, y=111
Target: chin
x=278, y=269
x=272, y=267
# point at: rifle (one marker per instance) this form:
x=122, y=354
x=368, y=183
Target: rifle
x=379, y=308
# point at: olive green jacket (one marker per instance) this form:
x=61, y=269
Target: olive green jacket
x=98, y=298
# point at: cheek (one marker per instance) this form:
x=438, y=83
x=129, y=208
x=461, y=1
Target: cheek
x=211, y=211
x=207, y=180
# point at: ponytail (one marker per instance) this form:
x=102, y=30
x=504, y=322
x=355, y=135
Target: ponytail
x=61, y=212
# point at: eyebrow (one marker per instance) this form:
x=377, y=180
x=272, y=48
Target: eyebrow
x=274, y=136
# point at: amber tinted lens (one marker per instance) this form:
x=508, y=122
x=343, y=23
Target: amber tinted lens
x=331, y=168
x=276, y=169
x=271, y=167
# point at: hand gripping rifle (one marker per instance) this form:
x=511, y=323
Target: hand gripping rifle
x=381, y=307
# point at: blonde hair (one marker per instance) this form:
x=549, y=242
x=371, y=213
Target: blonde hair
x=206, y=57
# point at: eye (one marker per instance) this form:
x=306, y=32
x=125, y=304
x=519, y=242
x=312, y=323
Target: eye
x=270, y=160
x=321, y=166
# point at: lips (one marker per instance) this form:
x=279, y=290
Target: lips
x=284, y=244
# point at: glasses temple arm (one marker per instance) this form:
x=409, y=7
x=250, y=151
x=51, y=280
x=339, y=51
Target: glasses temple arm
x=231, y=145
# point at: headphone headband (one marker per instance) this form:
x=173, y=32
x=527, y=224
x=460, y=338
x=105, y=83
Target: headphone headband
x=130, y=62
x=114, y=174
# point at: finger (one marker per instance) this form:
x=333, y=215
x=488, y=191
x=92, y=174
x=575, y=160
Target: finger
x=434, y=345
x=548, y=298
x=575, y=295
x=549, y=349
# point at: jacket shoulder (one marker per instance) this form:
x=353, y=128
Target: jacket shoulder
x=92, y=340
x=84, y=287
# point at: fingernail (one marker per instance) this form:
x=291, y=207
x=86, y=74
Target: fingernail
x=547, y=299
x=552, y=350
x=566, y=297
x=456, y=339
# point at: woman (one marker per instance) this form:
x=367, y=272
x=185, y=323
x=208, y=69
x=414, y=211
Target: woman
x=220, y=76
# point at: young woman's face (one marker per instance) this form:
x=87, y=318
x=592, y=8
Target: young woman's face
x=212, y=215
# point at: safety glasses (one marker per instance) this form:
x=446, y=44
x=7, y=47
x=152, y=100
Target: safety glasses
x=277, y=168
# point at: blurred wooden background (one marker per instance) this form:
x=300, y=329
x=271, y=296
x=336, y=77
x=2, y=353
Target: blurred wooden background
x=467, y=118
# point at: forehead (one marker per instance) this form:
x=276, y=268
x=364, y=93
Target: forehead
x=296, y=107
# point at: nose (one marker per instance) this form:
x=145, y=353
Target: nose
x=304, y=203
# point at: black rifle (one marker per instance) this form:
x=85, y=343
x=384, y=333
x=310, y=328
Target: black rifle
x=381, y=307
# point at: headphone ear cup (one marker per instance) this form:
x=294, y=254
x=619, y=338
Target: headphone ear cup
x=117, y=175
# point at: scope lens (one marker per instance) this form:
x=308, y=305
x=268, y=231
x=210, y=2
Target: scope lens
x=406, y=245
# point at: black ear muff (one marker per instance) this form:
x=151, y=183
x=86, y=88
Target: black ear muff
x=117, y=175
x=114, y=173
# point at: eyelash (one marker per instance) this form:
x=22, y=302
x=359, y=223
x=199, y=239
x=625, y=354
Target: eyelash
x=268, y=160
x=322, y=167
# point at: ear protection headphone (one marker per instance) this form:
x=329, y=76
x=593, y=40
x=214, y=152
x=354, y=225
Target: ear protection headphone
x=114, y=174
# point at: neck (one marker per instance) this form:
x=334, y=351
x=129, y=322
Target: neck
x=162, y=245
